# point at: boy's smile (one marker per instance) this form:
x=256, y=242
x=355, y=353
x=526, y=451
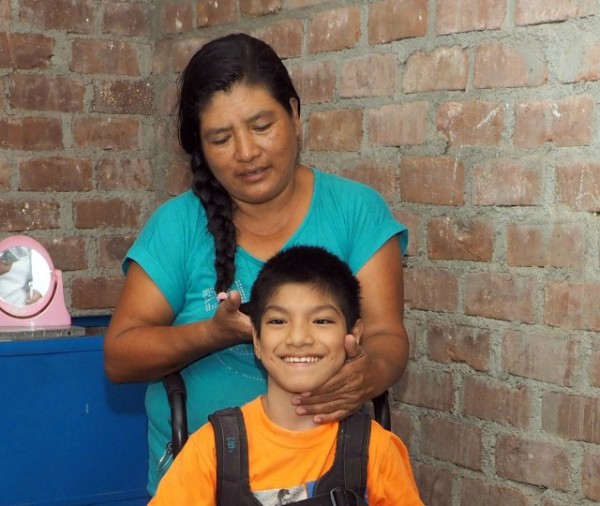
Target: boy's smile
x=301, y=341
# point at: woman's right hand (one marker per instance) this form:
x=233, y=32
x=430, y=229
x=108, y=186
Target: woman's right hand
x=141, y=344
x=229, y=324
x=4, y=268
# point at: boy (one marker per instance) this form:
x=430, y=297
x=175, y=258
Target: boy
x=303, y=305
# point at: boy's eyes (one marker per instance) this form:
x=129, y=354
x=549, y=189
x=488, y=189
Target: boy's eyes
x=316, y=321
x=323, y=321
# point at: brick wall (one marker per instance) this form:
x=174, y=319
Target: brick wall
x=478, y=120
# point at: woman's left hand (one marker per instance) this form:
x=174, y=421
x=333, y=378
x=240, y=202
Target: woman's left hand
x=342, y=394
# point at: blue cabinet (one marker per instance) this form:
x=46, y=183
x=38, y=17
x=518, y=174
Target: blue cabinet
x=67, y=435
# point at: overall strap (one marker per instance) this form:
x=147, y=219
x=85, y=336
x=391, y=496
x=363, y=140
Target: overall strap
x=233, y=482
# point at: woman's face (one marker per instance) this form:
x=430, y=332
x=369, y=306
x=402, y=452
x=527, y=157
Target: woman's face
x=250, y=142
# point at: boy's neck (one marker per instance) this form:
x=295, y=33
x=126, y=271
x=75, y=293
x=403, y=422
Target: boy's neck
x=280, y=410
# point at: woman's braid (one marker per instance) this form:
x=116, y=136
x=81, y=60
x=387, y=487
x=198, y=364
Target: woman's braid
x=219, y=211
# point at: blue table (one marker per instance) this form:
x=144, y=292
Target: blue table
x=67, y=435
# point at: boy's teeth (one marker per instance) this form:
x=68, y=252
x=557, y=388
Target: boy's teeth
x=301, y=359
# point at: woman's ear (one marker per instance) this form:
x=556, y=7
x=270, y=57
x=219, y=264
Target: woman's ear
x=295, y=115
x=357, y=330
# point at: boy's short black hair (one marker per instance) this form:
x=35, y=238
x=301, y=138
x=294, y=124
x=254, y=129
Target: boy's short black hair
x=311, y=265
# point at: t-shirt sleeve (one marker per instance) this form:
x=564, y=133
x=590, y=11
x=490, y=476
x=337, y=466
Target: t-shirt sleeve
x=160, y=250
x=371, y=225
x=390, y=478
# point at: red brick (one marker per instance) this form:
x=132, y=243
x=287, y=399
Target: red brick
x=445, y=68
x=167, y=99
x=75, y=16
x=375, y=173
x=259, y=7
x=334, y=30
x=533, y=461
x=369, y=76
x=432, y=180
x=399, y=124
x=450, y=343
x=507, y=183
x=591, y=476
x=179, y=177
x=285, y=37
x=216, y=12
x=434, y=484
x=314, y=81
x=578, y=186
x=589, y=69
x=474, y=123
x=493, y=295
x=474, y=492
x=123, y=97
x=5, y=173
x=174, y=55
x=30, y=133
x=177, y=17
x=132, y=19
x=68, y=253
x=25, y=51
x=530, y=12
x=5, y=14
x=548, y=245
x=55, y=174
x=299, y=4
x=572, y=416
x=95, y=293
x=106, y=133
x=431, y=289
x=453, y=16
x=452, y=442
x=538, y=355
x=23, y=215
x=572, y=305
x=402, y=425
x=460, y=239
x=112, y=250
x=94, y=56
x=499, y=65
x=411, y=222
x=110, y=213
x=565, y=122
x=496, y=401
x=430, y=389
x=336, y=130
x=397, y=19
x=124, y=174
x=45, y=93
x=595, y=366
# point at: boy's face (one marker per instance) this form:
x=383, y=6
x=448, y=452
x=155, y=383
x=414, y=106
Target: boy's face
x=301, y=341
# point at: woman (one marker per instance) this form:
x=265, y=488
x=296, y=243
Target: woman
x=239, y=122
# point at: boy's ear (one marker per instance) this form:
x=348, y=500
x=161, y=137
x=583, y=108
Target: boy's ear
x=357, y=330
x=256, y=343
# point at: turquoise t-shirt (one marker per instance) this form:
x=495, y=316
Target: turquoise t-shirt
x=176, y=250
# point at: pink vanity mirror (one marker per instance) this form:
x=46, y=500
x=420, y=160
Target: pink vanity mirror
x=31, y=289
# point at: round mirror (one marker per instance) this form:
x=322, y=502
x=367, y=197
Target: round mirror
x=30, y=286
x=24, y=276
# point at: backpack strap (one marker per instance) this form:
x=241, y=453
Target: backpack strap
x=233, y=482
x=349, y=469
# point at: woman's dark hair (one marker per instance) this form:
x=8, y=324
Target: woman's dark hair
x=218, y=66
x=310, y=265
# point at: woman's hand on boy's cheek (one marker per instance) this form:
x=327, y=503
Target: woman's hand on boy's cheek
x=342, y=394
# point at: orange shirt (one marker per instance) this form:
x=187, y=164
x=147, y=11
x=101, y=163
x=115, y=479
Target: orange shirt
x=286, y=462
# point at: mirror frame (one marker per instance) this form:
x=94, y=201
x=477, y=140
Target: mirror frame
x=50, y=309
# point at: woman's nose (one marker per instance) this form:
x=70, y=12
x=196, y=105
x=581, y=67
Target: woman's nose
x=246, y=149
